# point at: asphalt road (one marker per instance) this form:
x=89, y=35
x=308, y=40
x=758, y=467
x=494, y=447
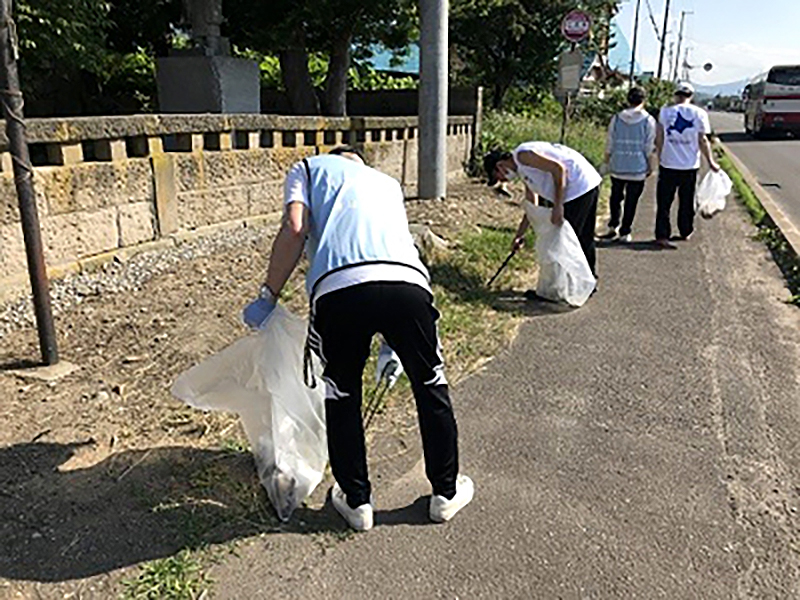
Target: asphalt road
x=775, y=162
x=644, y=446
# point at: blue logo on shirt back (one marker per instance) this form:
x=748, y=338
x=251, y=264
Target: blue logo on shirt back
x=681, y=124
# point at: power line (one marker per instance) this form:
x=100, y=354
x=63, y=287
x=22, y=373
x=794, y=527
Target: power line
x=653, y=21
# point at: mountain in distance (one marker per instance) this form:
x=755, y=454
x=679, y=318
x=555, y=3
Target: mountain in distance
x=733, y=88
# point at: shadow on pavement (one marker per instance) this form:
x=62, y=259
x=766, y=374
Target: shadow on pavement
x=414, y=514
x=60, y=522
x=647, y=246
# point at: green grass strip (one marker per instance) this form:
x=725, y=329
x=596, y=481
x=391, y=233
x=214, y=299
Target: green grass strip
x=768, y=232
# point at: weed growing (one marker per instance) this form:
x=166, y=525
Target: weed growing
x=768, y=232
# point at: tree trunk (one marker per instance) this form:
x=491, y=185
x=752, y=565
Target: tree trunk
x=335, y=96
x=499, y=91
x=296, y=77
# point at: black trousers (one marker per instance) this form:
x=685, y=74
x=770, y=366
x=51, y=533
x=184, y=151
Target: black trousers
x=581, y=213
x=685, y=182
x=343, y=326
x=627, y=193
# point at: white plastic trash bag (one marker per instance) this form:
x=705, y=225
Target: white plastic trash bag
x=711, y=193
x=260, y=377
x=564, y=272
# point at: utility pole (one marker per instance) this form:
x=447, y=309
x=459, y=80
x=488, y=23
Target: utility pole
x=663, y=41
x=432, y=170
x=680, y=41
x=23, y=180
x=635, y=38
x=671, y=57
x=686, y=66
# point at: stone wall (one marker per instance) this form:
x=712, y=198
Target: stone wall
x=112, y=185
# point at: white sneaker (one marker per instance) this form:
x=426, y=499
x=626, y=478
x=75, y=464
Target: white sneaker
x=626, y=239
x=609, y=234
x=441, y=509
x=360, y=518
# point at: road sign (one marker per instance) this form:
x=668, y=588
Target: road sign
x=576, y=25
x=570, y=65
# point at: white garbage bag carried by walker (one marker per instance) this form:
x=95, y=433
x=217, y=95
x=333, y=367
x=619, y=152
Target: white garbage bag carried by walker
x=260, y=377
x=711, y=193
x=564, y=272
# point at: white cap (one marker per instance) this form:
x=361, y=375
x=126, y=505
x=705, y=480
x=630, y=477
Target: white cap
x=684, y=87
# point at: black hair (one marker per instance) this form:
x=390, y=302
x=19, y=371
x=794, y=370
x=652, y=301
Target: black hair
x=636, y=96
x=349, y=150
x=490, y=163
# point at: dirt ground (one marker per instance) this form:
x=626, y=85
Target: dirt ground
x=84, y=457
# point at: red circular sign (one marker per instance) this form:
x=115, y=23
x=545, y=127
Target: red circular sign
x=576, y=25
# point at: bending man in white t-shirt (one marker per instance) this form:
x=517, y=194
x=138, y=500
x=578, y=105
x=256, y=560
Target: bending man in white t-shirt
x=559, y=175
x=681, y=138
x=365, y=277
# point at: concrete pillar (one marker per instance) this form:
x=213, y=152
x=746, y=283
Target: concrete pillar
x=432, y=168
x=111, y=150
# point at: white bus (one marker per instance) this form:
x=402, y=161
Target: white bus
x=772, y=102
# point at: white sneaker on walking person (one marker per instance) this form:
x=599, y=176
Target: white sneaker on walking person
x=441, y=509
x=626, y=239
x=360, y=518
x=609, y=234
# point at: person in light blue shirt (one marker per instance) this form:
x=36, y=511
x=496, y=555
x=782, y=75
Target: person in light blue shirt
x=629, y=151
x=365, y=277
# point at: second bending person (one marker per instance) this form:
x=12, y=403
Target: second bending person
x=559, y=175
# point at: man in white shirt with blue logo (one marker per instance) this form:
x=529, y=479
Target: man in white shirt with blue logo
x=365, y=277
x=681, y=138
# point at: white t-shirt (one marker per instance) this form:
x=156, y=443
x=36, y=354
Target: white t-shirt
x=581, y=175
x=682, y=125
x=296, y=190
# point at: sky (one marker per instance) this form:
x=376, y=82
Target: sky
x=740, y=38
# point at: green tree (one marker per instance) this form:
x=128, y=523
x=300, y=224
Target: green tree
x=59, y=42
x=147, y=25
x=293, y=29
x=505, y=43
x=508, y=43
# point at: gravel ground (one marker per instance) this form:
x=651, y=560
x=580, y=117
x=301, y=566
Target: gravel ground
x=126, y=276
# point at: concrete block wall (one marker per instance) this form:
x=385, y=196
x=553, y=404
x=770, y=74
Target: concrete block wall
x=118, y=184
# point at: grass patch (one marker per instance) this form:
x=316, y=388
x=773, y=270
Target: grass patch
x=178, y=577
x=768, y=232
x=743, y=192
x=508, y=130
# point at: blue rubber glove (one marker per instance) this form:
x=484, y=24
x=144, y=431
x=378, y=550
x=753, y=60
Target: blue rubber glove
x=256, y=313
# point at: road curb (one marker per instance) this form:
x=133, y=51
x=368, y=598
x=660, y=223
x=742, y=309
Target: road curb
x=776, y=214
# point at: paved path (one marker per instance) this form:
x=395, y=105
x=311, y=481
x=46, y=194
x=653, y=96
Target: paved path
x=645, y=446
x=775, y=162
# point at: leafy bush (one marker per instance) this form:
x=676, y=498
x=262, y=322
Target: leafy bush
x=600, y=110
x=504, y=130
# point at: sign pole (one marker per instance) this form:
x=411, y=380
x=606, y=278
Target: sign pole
x=565, y=118
x=567, y=99
x=575, y=26
x=23, y=180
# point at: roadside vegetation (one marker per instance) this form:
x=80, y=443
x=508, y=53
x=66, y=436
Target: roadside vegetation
x=768, y=232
